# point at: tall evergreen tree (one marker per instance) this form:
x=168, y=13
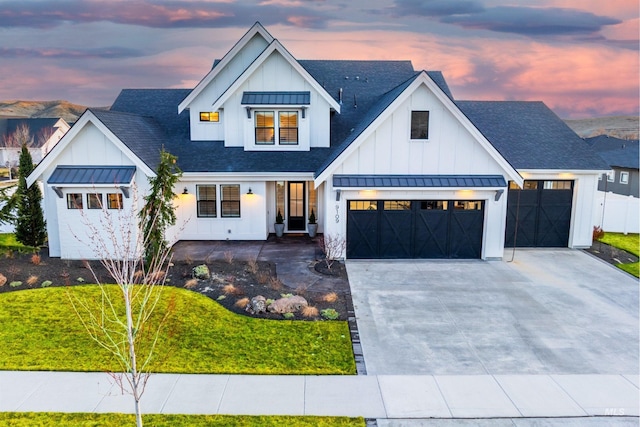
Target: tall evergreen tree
x=158, y=212
x=30, y=224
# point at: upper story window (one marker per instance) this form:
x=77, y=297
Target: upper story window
x=419, y=125
x=74, y=201
x=94, y=201
x=285, y=127
x=624, y=177
x=209, y=116
x=114, y=200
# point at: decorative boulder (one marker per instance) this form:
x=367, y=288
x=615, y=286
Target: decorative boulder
x=288, y=305
x=201, y=272
x=258, y=304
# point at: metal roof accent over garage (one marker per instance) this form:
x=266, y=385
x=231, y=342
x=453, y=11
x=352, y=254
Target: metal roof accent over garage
x=276, y=98
x=411, y=181
x=92, y=175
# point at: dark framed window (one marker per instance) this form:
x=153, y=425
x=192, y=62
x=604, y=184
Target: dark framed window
x=94, y=201
x=434, y=205
x=209, y=116
x=265, y=128
x=74, y=201
x=468, y=205
x=230, y=201
x=363, y=205
x=206, y=201
x=419, y=125
x=288, y=127
x=397, y=205
x=114, y=200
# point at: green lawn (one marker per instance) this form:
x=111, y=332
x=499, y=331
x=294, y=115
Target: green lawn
x=629, y=243
x=46, y=419
x=40, y=331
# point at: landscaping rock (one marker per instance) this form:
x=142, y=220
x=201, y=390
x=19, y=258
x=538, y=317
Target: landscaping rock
x=258, y=304
x=201, y=272
x=288, y=305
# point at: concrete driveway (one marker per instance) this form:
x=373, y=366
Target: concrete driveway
x=548, y=312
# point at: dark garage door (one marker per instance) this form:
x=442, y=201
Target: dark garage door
x=540, y=213
x=414, y=229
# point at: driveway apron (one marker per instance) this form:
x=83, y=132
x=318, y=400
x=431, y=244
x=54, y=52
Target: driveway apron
x=547, y=312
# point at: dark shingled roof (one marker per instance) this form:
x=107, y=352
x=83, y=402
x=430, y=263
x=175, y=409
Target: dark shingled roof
x=531, y=136
x=37, y=128
x=418, y=181
x=616, y=152
x=92, y=175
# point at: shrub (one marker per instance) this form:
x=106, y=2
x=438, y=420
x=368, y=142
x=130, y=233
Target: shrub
x=301, y=290
x=288, y=316
x=275, y=283
x=262, y=277
x=80, y=280
x=330, y=314
x=252, y=266
x=15, y=284
x=46, y=284
x=286, y=295
x=242, y=303
x=32, y=280
x=188, y=259
x=310, y=311
x=228, y=256
x=331, y=297
x=3, y=279
x=191, y=283
x=201, y=272
x=221, y=297
x=231, y=289
x=598, y=233
x=268, y=302
x=36, y=259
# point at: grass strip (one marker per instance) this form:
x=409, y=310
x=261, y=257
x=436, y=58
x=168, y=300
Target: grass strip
x=40, y=331
x=629, y=243
x=45, y=419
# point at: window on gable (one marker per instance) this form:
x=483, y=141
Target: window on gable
x=206, y=201
x=209, y=116
x=114, y=200
x=74, y=201
x=267, y=127
x=419, y=125
x=288, y=131
x=94, y=201
x=230, y=201
x=624, y=177
x=611, y=176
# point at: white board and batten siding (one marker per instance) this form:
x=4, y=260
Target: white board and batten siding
x=67, y=231
x=449, y=150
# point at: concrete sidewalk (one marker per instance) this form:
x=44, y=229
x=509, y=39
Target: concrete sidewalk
x=381, y=397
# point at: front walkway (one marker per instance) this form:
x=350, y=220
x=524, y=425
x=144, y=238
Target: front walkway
x=369, y=396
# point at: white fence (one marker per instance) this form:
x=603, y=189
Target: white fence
x=617, y=213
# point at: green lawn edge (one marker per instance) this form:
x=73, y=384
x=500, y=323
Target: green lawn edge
x=45, y=419
x=8, y=243
x=41, y=332
x=629, y=243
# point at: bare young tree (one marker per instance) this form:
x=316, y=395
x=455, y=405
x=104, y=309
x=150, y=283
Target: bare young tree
x=21, y=136
x=332, y=247
x=123, y=318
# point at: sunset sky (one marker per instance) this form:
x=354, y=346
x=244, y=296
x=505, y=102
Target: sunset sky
x=581, y=57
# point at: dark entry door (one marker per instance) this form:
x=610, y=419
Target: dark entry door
x=296, y=219
x=414, y=229
x=540, y=214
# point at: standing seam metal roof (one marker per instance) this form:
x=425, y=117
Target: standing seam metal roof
x=115, y=175
x=410, y=181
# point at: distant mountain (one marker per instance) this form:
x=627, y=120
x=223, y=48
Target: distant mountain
x=35, y=109
x=623, y=127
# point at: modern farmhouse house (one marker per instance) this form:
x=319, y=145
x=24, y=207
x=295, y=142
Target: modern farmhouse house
x=383, y=155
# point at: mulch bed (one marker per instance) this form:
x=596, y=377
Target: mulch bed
x=247, y=280
x=611, y=254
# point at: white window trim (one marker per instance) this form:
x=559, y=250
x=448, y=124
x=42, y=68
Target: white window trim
x=626, y=178
x=276, y=124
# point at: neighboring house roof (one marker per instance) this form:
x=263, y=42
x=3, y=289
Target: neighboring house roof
x=409, y=181
x=92, y=175
x=531, y=136
x=616, y=152
x=37, y=128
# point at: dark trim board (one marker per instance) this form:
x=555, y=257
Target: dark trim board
x=408, y=229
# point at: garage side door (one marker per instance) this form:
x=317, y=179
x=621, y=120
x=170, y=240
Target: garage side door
x=540, y=214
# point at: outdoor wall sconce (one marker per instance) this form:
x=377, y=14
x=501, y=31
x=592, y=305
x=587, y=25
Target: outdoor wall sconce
x=498, y=195
x=185, y=191
x=249, y=193
x=248, y=112
x=337, y=195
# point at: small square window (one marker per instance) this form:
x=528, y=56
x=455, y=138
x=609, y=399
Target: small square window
x=419, y=125
x=209, y=116
x=611, y=176
x=74, y=201
x=114, y=200
x=94, y=201
x=624, y=177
